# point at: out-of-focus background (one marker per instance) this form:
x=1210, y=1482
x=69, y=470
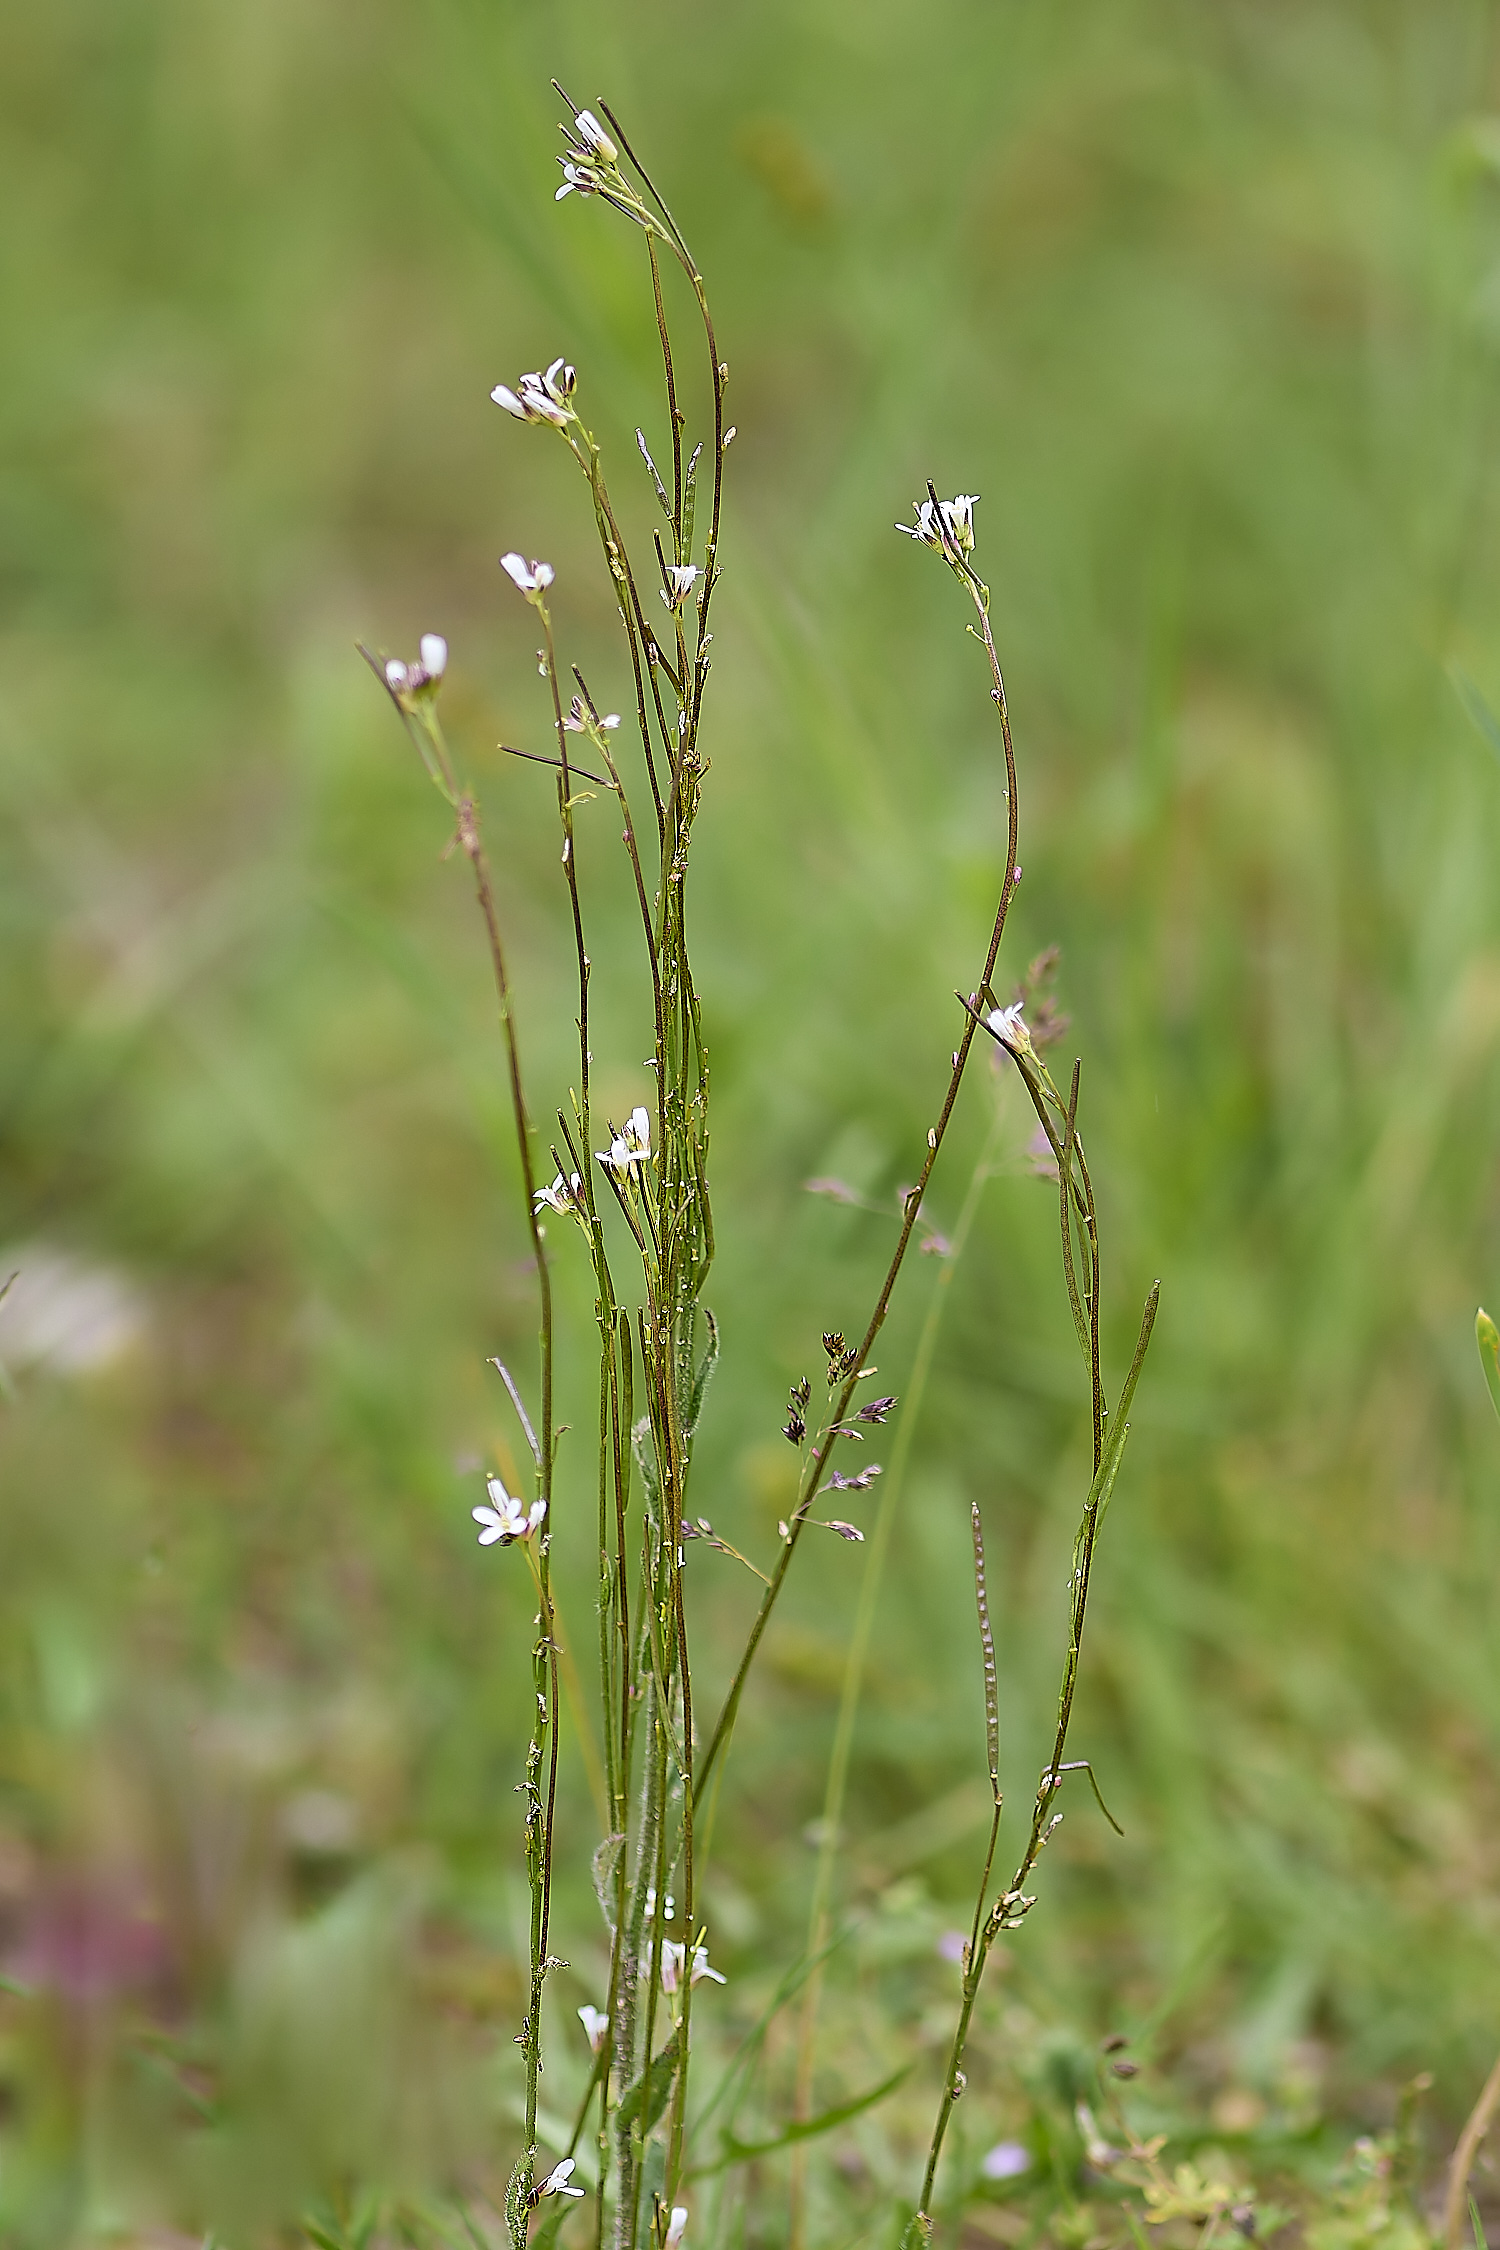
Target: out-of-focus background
x=1205, y=303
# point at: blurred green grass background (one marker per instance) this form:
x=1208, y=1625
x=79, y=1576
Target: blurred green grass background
x=1206, y=305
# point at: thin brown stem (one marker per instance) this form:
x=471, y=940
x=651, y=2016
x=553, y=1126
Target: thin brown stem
x=1456, y=2201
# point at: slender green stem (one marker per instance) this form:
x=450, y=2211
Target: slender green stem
x=892, y=1491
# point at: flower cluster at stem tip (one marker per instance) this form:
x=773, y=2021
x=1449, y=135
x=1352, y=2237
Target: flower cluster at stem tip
x=957, y=523
x=425, y=675
x=578, y=719
x=541, y=398
x=582, y=165
x=1010, y=1027
x=561, y=1197
x=680, y=579
x=629, y=1149
x=533, y=578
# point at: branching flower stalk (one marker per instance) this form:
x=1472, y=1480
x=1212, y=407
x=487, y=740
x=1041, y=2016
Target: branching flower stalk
x=645, y=1194
x=413, y=690
x=1078, y=1224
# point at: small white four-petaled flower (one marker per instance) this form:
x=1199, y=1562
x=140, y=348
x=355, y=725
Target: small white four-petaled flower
x=562, y=1196
x=630, y=1148
x=532, y=578
x=680, y=580
x=673, y=1957
x=578, y=720
x=595, y=2024
x=1010, y=1027
x=957, y=521
x=540, y=398
x=432, y=662
x=591, y=131
x=584, y=167
x=558, y=2182
x=507, y=1520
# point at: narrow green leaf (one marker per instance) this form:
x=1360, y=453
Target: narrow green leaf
x=545, y=2233
x=647, y=2098
x=644, y=1449
x=741, y=2152
x=605, y=1867
x=705, y=1374
x=517, y=2210
x=689, y=497
x=1114, y=1447
x=1487, y=1336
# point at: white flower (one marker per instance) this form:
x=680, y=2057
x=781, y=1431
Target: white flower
x=679, y=584
x=958, y=514
x=575, y=177
x=676, y=2227
x=411, y=679
x=507, y=1520
x=630, y=1148
x=538, y=398
x=540, y=405
x=592, y=133
x=562, y=1196
x=557, y=2182
x=638, y=1134
x=595, y=2026
x=673, y=1957
x=532, y=578
x=925, y=526
x=1009, y=1027
x=578, y=720
x=957, y=519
